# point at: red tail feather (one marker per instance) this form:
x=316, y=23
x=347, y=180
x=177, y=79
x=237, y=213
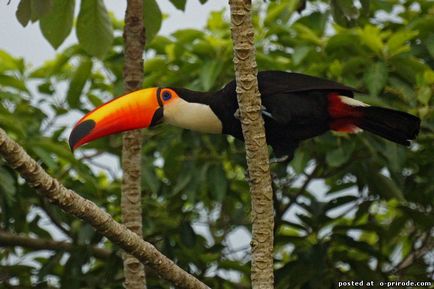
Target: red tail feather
x=344, y=117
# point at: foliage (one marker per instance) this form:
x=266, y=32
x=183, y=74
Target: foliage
x=94, y=28
x=377, y=208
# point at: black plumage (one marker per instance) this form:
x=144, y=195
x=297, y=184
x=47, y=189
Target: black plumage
x=295, y=101
x=297, y=108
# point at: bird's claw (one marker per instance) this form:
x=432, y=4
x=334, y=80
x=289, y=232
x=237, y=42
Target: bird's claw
x=265, y=112
x=279, y=160
x=237, y=114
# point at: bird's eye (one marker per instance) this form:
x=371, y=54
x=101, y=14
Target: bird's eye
x=166, y=95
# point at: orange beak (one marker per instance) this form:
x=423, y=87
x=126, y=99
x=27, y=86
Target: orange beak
x=139, y=109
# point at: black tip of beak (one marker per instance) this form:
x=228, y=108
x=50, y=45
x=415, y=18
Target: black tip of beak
x=80, y=131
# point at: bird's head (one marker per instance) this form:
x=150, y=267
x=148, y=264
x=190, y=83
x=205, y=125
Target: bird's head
x=142, y=109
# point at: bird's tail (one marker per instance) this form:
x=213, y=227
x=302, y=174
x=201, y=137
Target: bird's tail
x=348, y=115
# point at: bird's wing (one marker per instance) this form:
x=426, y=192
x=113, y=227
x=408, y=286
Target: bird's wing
x=299, y=107
x=272, y=82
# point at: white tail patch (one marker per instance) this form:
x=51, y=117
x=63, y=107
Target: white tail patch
x=352, y=101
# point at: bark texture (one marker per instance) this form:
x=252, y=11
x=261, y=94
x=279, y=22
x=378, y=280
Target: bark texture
x=12, y=240
x=256, y=147
x=72, y=203
x=134, y=41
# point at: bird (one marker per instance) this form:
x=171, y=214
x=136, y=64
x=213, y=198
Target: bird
x=295, y=107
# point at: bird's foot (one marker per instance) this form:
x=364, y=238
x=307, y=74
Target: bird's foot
x=237, y=114
x=279, y=160
x=265, y=112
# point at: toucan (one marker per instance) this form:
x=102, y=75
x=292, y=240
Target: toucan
x=295, y=107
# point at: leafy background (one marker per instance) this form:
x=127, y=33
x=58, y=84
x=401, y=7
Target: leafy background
x=347, y=207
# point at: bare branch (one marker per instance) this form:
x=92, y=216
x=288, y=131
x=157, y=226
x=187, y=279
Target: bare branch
x=12, y=240
x=71, y=202
x=427, y=246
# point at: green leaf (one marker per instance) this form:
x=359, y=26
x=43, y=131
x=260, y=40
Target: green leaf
x=179, y=4
x=24, y=12
x=7, y=62
x=384, y=186
x=408, y=67
x=217, y=182
x=344, y=12
x=294, y=225
x=337, y=157
x=95, y=100
x=280, y=11
x=150, y=180
x=397, y=42
x=300, y=53
x=188, y=35
x=40, y=8
x=50, y=264
x=56, y=25
x=152, y=19
x=46, y=87
x=10, y=124
x=316, y=21
x=7, y=185
x=299, y=162
x=154, y=64
x=365, y=7
x=423, y=219
x=78, y=81
x=347, y=8
x=356, y=244
x=10, y=81
x=375, y=78
x=45, y=157
x=85, y=234
x=430, y=45
x=371, y=37
x=424, y=94
x=340, y=201
x=188, y=236
x=60, y=149
x=307, y=34
x=210, y=71
x=94, y=28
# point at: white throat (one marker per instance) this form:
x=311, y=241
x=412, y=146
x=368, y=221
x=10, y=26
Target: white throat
x=194, y=116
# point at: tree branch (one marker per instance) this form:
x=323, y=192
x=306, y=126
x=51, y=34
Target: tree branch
x=256, y=147
x=74, y=204
x=427, y=246
x=134, y=43
x=12, y=240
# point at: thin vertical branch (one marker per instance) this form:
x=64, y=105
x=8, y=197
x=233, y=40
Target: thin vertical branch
x=134, y=41
x=256, y=147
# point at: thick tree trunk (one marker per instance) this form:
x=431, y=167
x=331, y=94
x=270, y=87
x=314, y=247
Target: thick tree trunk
x=134, y=41
x=74, y=204
x=256, y=147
